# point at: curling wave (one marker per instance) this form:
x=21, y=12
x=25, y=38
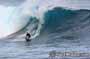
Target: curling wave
x=58, y=23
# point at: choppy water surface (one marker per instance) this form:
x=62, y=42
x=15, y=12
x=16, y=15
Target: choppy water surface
x=60, y=30
x=30, y=50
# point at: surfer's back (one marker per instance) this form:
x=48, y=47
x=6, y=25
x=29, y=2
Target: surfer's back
x=28, y=36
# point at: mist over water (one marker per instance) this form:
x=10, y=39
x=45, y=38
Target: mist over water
x=57, y=25
x=16, y=11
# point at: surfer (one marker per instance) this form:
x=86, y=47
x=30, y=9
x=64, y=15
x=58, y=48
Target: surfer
x=28, y=36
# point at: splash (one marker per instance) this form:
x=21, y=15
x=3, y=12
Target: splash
x=16, y=17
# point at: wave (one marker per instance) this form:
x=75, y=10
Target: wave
x=57, y=23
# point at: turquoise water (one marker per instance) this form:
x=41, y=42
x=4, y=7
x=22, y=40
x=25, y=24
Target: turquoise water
x=63, y=31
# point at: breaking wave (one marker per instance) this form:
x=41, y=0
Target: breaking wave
x=57, y=23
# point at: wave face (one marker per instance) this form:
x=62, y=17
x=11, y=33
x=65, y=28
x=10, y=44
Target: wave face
x=67, y=24
x=59, y=23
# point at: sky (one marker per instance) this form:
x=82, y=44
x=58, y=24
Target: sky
x=12, y=12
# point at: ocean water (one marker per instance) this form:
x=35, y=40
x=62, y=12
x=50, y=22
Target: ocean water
x=32, y=50
x=63, y=30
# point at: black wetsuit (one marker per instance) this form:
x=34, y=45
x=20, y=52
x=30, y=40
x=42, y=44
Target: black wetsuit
x=28, y=36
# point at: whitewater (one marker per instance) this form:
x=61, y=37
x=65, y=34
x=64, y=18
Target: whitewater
x=54, y=26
